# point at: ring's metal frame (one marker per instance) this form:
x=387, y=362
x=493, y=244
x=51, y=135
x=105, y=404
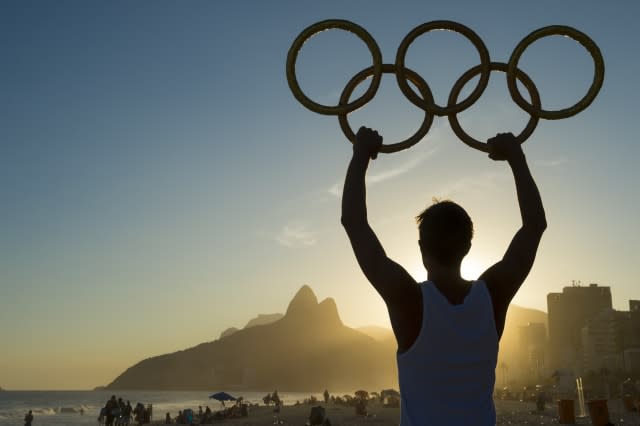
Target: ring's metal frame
x=415, y=78
x=431, y=106
x=459, y=85
x=580, y=37
x=426, y=102
x=312, y=30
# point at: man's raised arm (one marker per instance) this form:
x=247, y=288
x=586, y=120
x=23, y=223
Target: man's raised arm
x=506, y=276
x=388, y=278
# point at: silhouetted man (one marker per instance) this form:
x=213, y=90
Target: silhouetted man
x=126, y=412
x=28, y=418
x=447, y=328
x=110, y=409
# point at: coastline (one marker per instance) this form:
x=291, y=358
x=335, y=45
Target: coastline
x=508, y=413
x=47, y=409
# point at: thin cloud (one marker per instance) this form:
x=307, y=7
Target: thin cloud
x=296, y=235
x=473, y=184
x=551, y=163
x=336, y=189
x=412, y=163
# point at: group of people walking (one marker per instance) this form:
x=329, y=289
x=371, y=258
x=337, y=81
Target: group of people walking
x=118, y=413
x=115, y=412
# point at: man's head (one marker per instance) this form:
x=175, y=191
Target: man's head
x=445, y=233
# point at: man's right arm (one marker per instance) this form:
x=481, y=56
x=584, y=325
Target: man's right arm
x=398, y=289
x=389, y=279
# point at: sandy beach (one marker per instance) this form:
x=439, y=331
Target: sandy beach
x=509, y=413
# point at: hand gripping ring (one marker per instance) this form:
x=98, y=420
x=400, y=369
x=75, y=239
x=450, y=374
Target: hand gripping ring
x=311, y=31
x=494, y=66
x=423, y=103
x=424, y=89
x=578, y=36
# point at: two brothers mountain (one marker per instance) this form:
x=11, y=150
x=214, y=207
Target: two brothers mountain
x=307, y=349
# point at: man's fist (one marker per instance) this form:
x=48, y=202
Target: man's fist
x=504, y=146
x=368, y=142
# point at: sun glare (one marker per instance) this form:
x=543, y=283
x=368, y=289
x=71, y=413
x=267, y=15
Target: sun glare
x=471, y=269
x=418, y=272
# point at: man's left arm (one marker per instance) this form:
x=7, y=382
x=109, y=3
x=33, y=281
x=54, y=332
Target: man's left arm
x=506, y=276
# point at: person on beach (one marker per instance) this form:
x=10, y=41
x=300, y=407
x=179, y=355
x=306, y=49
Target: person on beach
x=447, y=328
x=110, y=410
x=126, y=413
x=28, y=418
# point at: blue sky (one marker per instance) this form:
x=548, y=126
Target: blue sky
x=160, y=183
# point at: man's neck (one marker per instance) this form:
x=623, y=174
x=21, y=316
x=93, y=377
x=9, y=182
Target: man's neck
x=449, y=282
x=440, y=273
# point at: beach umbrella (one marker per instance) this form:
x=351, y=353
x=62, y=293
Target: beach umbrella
x=222, y=396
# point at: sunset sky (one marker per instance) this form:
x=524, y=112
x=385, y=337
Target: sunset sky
x=160, y=183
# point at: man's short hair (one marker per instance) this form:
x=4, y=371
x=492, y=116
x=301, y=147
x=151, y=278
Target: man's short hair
x=446, y=231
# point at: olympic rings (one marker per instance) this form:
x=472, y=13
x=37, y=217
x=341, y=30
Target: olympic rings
x=427, y=103
x=388, y=68
x=307, y=34
x=494, y=66
x=431, y=106
x=578, y=36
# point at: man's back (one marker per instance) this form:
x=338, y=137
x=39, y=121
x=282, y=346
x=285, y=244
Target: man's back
x=447, y=376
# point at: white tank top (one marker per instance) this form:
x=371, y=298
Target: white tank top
x=448, y=374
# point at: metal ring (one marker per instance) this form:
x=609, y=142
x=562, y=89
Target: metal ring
x=311, y=31
x=388, y=69
x=494, y=66
x=576, y=35
x=427, y=102
x=431, y=107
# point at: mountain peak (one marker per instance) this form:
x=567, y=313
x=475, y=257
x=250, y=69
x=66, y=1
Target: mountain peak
x=329, y=310
x=304, y=300
x=305, y=307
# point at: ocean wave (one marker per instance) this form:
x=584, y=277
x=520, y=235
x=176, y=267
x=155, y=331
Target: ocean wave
x=44, y=411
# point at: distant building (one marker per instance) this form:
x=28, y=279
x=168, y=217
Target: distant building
x=532, y=342
x=630, y=326
x=602, y=343
x=630, y=337
x=631, y=361
x=568, y=313
x=587, y=335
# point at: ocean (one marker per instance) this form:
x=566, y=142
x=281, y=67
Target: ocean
x=83, y=407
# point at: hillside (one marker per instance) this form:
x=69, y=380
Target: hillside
x=307, y=349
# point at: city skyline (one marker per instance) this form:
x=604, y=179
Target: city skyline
x=161, y=182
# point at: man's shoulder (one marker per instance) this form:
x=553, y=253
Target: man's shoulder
x=499, y=284
x=405, y=313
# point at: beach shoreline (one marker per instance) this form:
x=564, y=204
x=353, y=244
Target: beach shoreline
x=47, y=408
x=508, y=412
